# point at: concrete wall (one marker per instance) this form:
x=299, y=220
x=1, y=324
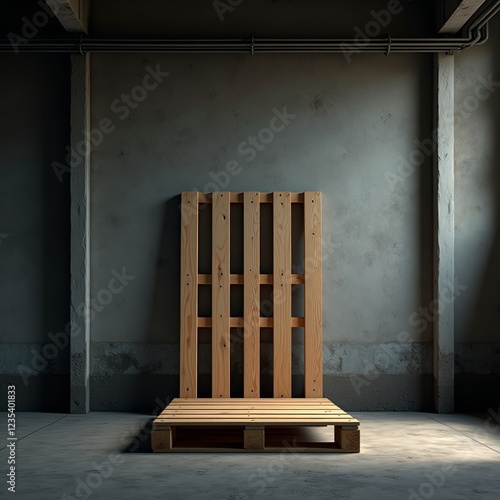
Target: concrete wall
x=34, y=228
x=351, y=124
x=477, y=218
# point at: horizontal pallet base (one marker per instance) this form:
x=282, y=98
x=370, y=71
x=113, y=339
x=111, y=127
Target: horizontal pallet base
x=255, y=425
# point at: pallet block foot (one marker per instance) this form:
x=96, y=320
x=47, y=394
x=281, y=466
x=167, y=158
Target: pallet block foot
x=162, y=440
x=254, y=438
x=348, y=438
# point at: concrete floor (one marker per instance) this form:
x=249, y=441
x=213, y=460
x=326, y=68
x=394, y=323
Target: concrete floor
x=404, y=456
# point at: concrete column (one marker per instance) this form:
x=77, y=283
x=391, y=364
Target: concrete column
x=80, y=233
x=444, y=236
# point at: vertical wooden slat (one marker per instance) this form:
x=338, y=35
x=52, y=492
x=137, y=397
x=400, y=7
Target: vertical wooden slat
x=189, y=296
x=251, y=308
x=313, y=363
x=282, y=262
x=221, y=344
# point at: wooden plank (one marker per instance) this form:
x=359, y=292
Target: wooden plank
x=251, y=295
x=245, y=407
x=264, y=322
x=313, y=312
x=234, y=413
x=254, y=420
x=234, y=279
x=461, y=16
x=189, y=295
x=282, y=295
x=238, y=407
x=307, y=401
x=238, y=279
x=264, y=197
x=256, y=411
x=276, y=419
x=221, y=344
x=295, y=279
x=261, y=412
x=244, y=421
x=249, y=404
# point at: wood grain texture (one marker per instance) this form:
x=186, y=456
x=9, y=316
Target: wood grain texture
x=348, y=439
x=282, y=295
x=221, y=411
x=254, y=438
x=251, y=294
x=188, y=419
x=221, y=345
x=239, y=279
x=270, y=411
x=265, y=322
x=313, y=312
x=254, y=402
x=162, y=439
x=264, y=197
x=189, y=295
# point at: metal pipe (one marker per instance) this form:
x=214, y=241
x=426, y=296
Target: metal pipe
x=477, y=34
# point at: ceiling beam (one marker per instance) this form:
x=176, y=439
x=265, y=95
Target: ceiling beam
x=461, y=15
x=72, y=14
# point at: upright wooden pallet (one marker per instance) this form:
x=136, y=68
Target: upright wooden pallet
x=253, y=420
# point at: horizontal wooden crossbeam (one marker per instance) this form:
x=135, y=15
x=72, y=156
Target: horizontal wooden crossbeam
x=240, y=322
x=238, y=197
x=238, y=279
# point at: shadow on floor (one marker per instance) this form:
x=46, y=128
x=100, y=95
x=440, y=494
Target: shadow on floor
x=141, y=442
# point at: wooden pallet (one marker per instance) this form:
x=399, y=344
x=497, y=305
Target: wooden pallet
x=256, y=425
x=255, y=416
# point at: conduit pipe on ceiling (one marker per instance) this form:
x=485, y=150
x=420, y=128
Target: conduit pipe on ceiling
x=477, y=34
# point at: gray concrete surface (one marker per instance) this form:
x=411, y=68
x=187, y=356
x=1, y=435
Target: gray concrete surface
x=34, y=224
x=477, y=219
x=80, y=234
x=444, y=235
x=404, y=456
x=200, y=117
x=34, y=206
